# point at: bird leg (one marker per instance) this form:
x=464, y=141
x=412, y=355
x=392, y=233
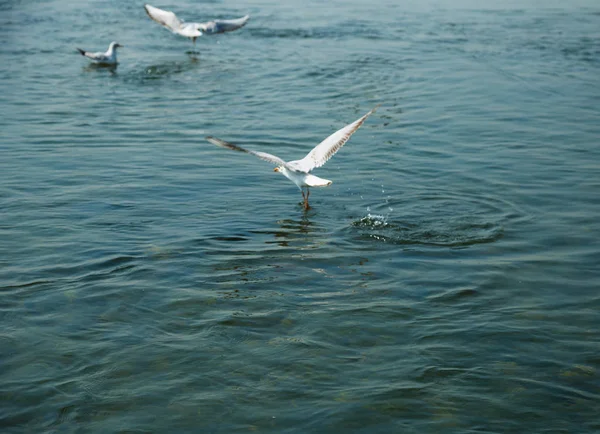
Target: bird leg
x=306, y=205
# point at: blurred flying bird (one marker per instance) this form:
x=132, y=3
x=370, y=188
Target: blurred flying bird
x=169, y=20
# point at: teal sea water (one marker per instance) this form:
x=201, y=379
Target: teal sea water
x=447, y=281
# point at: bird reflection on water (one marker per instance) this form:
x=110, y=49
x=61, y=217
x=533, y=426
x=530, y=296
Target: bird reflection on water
x=292, y=231
x=98, y=67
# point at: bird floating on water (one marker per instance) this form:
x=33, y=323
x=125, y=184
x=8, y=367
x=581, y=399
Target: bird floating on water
x=108, y=58
x=298, y=171
x=169, y=20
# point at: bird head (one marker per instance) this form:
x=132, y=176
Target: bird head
x=277, y=169
x=116, y=45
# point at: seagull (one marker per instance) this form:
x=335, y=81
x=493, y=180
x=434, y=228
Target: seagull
x=169, y=20
x=298, y=171
x=108, y=58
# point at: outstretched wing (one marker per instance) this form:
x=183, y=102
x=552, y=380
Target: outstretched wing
x=262, y=155
x=328, y=147
x=222, y=26
x=165, y=18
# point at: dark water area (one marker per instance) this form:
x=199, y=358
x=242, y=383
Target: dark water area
x=447, y=281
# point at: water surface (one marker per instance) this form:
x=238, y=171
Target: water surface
x=447, y=281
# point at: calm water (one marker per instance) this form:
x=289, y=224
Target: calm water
x=448, y=280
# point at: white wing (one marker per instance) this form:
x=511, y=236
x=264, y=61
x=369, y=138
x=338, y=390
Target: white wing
x=222, y=26
x=96, y=57
x=328, y=147
x=262, y=155
x=166, y=19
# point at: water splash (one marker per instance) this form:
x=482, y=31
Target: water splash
x=371, y=221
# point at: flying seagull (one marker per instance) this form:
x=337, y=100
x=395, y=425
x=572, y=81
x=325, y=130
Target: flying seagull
x=108, y=58
x=298, y=171
x=169, y=20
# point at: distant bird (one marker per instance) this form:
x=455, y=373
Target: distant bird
x=169, y=20
x=108, y=58
x=298, y=171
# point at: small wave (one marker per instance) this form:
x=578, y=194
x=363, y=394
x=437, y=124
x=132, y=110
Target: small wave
x=342, y=30
x=161, y=71
x=86, y=271
x=27, y=284
x=231, y=238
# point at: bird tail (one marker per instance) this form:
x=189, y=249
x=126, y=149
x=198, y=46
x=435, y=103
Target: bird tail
x=81, y=51
x=315, y=181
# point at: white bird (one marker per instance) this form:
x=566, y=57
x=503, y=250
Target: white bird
x=108, y=58
x=298, y=171
x=169, y=20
